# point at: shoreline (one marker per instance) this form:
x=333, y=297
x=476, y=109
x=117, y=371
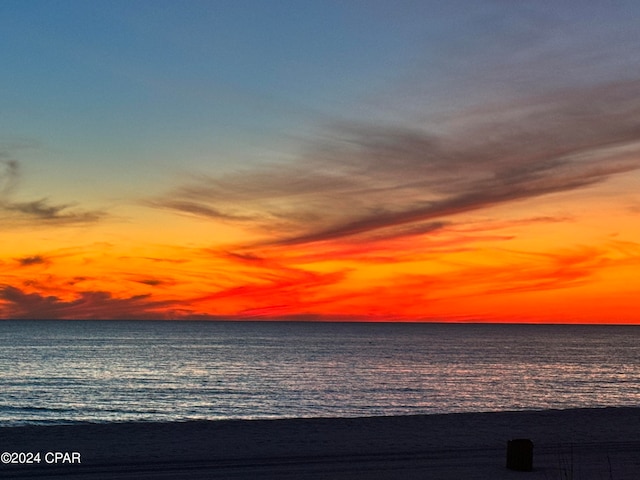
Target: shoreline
x=597, y=442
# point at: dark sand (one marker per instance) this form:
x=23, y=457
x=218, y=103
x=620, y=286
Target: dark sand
x=582, y=444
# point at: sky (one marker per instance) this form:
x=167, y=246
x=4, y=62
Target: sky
x=365, y=160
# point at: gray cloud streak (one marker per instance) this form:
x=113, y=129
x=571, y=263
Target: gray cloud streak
x=194, y=208
x=36, y=211
x=363, y=178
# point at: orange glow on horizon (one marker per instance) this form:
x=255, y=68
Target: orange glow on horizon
x=450, y=275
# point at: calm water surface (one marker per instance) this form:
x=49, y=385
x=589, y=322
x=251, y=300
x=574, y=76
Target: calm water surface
x=69, y=371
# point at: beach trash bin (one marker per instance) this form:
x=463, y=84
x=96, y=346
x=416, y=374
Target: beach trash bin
x=520, y=455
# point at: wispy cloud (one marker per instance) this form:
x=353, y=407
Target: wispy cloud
x=40, y=211
x=363, y=179
x=9, y=174
x=194, y=208
x=43, y=210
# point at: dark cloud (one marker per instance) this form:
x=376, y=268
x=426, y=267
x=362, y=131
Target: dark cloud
x=154, y=282
x=16, y=304
x=361, y=178
x=245, y=257
x=33, y=260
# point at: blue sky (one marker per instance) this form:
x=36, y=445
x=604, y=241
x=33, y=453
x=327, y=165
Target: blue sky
x=103, y=98
x=212, y=83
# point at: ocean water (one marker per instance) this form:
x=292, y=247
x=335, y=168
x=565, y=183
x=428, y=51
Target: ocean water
x=106, y=371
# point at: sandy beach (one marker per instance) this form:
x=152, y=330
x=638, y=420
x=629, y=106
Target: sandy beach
x=568, y=444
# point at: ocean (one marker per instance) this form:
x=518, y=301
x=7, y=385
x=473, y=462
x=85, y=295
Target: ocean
x=55, y=372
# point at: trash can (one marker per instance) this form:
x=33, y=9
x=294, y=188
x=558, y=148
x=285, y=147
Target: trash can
x=520, y=455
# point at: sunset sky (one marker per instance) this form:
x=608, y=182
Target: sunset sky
x=340, y=160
